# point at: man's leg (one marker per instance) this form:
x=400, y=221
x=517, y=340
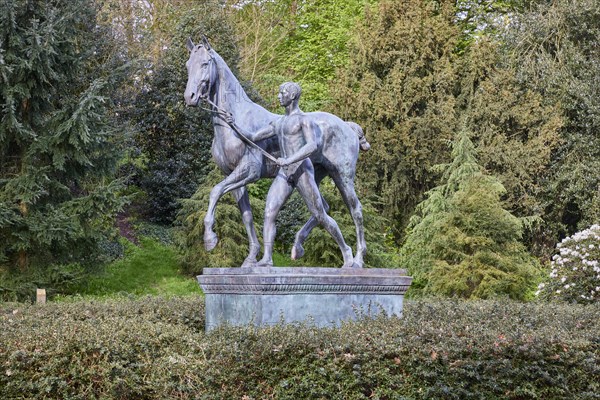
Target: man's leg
x=309, y=191
x=279, y=192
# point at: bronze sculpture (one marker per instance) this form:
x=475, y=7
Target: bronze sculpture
x=335, y=155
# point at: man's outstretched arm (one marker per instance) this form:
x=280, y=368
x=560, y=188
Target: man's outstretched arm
x=257, y=136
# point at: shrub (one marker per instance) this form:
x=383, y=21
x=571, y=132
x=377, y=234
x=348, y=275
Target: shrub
x=575, y=274
x=155, y=348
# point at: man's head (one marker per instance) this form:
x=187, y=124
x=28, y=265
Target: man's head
x=288, y=92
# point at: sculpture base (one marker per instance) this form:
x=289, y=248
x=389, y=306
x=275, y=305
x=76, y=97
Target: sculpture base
x=323, y=296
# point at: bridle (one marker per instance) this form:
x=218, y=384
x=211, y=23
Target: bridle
x=212, y=73
x=222, y=113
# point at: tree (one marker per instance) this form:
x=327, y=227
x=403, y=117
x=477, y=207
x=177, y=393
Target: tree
x=426, y=63
x=557, y=56
x=304, y=41
x=515, y=129
x=174, y=141
x=401, y=86
x=462, y=242
x=58, y=146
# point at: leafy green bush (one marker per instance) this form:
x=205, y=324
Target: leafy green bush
x=575, y=275
x=155, y=348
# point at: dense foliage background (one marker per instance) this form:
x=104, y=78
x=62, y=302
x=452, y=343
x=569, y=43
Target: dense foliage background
x=482, y=180
x=482, y=115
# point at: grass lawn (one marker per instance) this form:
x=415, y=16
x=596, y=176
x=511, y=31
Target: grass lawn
x=148, y=269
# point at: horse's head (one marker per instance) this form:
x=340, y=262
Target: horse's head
x=201, y=71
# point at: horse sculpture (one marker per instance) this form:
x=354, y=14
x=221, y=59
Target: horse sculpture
x=210, y=79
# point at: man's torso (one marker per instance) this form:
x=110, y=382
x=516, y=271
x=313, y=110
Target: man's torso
x=291, y=136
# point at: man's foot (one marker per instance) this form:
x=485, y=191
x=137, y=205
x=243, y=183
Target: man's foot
x=265, y=263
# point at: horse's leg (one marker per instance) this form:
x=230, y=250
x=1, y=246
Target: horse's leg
x=302, y=234
x=345, y=184
x=241, y=196
x=307, y=187
x=246, y=172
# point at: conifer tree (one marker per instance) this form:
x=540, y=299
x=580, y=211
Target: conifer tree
x=416, y=65
x=57, y=148
x=400, y=86
x=462, y=242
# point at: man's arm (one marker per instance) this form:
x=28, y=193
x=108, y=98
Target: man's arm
x=257, y=136
x=309, y=147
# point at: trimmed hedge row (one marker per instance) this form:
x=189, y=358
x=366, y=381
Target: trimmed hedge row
x=155, y=348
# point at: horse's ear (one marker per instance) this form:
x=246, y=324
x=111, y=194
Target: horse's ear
x=205, y=42
x=189, y=44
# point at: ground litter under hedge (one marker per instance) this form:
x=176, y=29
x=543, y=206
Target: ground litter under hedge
x=155, y=348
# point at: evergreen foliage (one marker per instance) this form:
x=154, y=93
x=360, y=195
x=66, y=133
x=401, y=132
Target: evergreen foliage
x=462, y=242
x=516, y=131
x=400, y=86
x=414, y=67
x=174, y=140
x=58, y=143
x=556, y=51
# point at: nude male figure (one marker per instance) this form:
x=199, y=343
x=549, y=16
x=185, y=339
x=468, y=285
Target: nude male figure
x=297, y=136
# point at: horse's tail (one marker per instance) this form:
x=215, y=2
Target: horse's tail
x=362, y=140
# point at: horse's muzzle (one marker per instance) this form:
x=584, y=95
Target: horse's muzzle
x=192, y=98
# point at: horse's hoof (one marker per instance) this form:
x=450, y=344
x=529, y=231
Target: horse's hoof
x=358, y=262
x=348, y=259
x=249, y=263
x=210, y=241
x=297, y=251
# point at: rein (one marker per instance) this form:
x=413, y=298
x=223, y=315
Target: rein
x=222, y=113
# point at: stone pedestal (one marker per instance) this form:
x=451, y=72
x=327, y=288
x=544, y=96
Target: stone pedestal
x=323, y=296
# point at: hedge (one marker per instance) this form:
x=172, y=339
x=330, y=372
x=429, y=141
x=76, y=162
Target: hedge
x=155, y=348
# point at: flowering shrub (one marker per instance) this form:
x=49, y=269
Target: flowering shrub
x=575, y=275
